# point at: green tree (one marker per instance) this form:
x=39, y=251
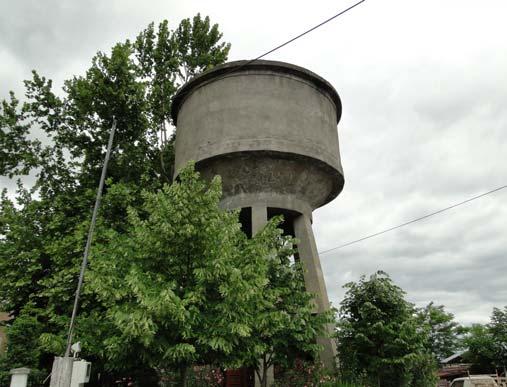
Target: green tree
x=184, y=285
x=180, y=284
x=487, y=344
x=284, y=327
x=498, y=328
x=480, y=347
x=26, y=331
x=444, y=332
x=43, y=231
x=379, y=339
x=17, y=152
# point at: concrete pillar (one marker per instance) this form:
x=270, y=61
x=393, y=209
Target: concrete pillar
x=19, y=377
x=259, y=218
x=61, y=372
x=314, y=283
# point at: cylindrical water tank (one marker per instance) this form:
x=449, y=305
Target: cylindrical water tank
x=268, y=128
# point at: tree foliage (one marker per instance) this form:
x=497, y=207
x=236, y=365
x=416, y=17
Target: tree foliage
x=380, y=342
x=487, y=344
x=43, y=231
x=445, y=334
x=183, y=285
x=17, y=152
x=178, y=282
x=284, y=326
x=173, y=280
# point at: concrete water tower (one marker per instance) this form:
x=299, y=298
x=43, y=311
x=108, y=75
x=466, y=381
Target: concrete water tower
x=269, y=129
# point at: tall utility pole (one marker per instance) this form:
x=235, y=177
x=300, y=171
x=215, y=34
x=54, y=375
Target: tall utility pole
x=62, y=366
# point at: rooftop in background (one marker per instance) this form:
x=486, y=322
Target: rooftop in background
x=455, y=356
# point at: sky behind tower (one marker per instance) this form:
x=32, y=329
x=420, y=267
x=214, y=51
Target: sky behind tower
x=424, y=125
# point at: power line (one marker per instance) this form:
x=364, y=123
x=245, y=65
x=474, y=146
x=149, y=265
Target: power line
x=304, y=33
x=413, y=220
x=179, y=95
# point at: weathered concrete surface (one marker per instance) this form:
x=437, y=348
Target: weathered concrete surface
x=259, y=218
x=275, y=179
x=265, y=107
x=269, y=129
x=61, y=373
x=19, y=377
x=314, y=282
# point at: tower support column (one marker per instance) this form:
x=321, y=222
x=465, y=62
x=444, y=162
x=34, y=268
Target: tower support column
x=314, y=283
x=259, y=218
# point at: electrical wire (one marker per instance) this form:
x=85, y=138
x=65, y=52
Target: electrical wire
x=235, y=69
x=412, y=221
x=304, y=33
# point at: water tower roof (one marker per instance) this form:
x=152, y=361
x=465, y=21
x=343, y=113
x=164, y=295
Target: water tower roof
x=228, y=69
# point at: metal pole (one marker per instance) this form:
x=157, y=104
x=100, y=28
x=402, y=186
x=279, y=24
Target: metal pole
x=89, y=240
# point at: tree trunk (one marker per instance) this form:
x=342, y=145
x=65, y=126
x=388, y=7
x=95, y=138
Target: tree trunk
x=183, y=376
x=261, y=370
x=264, y=381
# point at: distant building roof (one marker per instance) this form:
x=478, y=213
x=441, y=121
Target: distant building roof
x=455, y=356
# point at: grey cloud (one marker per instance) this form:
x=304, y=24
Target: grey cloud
x=424, y=122
x=48, y=33
x=433, y=264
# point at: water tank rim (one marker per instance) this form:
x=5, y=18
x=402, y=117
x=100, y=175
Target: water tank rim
x=245, y=65
x=336, y=175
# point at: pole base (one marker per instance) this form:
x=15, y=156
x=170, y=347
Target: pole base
x=61, y=372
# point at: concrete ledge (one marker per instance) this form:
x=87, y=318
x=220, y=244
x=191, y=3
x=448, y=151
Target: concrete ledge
x=20, y=371
x=274, y=179
x=266, y=200
x=267, y=144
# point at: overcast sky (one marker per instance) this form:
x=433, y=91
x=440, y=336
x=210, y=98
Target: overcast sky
x=424, y=125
